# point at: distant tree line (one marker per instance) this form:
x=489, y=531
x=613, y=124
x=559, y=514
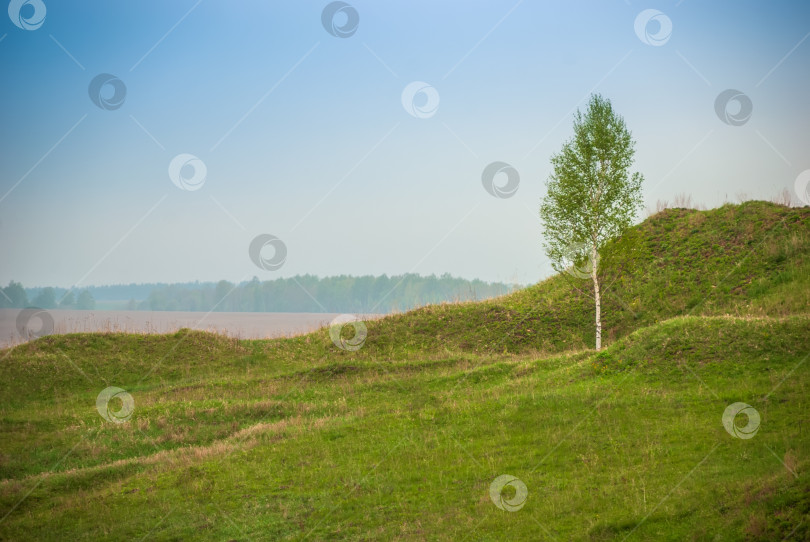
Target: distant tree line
x=308, y=293
x=302, y=293
x=14, y=296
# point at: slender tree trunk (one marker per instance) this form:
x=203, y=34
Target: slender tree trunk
x=594, y=266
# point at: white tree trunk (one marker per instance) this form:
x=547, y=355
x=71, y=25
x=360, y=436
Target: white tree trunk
x=594, y=266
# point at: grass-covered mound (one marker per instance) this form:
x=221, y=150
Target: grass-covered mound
x=752, y=258
x=748, y=259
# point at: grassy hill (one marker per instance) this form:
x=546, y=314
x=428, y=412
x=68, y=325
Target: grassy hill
x=752, y=258
x=296, y=439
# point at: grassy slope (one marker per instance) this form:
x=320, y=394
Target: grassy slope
x=739, y=259
x=293, y=438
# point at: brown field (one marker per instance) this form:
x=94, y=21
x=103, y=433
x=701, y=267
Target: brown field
x=246, y=325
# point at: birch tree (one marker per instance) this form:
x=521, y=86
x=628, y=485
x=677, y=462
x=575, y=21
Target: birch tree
x=591, y=195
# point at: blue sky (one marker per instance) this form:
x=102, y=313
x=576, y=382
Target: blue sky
x=304, y=135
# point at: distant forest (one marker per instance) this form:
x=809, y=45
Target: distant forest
x=302, y=293
x=15, y=296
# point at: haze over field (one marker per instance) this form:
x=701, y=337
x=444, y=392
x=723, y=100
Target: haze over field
x=243, y=325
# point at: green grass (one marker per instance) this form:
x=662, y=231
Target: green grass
x=296, y=439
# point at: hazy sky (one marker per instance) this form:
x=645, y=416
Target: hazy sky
x=306, y=136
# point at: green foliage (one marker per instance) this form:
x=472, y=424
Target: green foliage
x=338, y=294
x=46, y=299
x=68, y=301
x=308, y=293
x=85, y=301
x=591, y=196
x=13, y=296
